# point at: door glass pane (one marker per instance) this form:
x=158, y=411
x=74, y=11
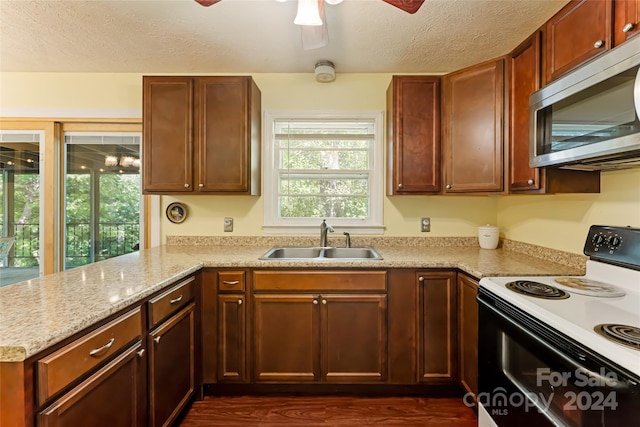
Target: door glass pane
x=20, y=207
x=102, y=196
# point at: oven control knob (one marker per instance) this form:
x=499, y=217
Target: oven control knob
x=598, y=239
x=614, y=241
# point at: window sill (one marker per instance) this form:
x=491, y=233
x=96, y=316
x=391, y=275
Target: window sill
x=315, y=229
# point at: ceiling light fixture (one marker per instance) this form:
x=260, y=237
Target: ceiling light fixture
x=110, y=161
x=308, y=13
x=325, y=71
x=333, y=2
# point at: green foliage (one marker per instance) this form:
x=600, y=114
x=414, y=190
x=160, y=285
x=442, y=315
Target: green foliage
x=324, y=179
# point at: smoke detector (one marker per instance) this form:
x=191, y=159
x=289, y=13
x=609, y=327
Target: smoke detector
x=325, y=71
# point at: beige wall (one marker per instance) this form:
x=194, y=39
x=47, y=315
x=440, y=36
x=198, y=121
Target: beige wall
x=562, y=221
x=555, y=221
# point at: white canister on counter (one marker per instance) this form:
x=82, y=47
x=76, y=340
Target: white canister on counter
x=488, y=236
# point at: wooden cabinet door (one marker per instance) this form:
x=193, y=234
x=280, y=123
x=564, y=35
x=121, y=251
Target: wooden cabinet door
x=231, y=338
x=114, y=396
x=228, y=150
x=413, y=135
x=473, y=129
x=626, y=22
x=524, y=79
x=354, y=338
x=524, y=70
x=167, y=140
x=286, y=343
x=437, y=346
x=578, y=32
x=171, y=367
x=468, y=333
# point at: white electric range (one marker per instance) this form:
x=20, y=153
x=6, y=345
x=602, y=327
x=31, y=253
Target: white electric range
x=568, y=346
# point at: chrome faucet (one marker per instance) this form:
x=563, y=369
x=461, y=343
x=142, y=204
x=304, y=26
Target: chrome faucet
x=324, y=227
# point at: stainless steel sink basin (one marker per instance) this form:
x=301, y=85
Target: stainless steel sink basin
x=351, y=253
x=292, y=253
x=318, y=253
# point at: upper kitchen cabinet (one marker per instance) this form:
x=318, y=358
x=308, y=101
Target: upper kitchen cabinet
x=626, y=22
x=413, y=135
x=473, y=129
x=201, y=135
x=578, y=32
x=524, y=76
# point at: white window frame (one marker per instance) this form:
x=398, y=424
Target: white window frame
x=273, y=224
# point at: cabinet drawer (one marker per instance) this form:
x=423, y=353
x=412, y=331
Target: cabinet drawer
x=320, y=280
x=170, y=301
x=231, y=281
x=73, y=360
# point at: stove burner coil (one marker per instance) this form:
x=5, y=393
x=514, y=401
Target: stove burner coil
x=537, y=289
x=622, y=334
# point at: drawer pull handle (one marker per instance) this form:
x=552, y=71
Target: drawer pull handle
x=97, y=352
x=173, y=301
x=231, y=282
x=157, y=339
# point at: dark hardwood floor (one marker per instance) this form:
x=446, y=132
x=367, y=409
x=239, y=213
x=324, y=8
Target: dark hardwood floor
x=329, y=411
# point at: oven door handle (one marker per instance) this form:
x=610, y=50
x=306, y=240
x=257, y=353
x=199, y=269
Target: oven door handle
x=582, y=356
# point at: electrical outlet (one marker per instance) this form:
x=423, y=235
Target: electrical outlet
x=228, y=224
x=425, y=224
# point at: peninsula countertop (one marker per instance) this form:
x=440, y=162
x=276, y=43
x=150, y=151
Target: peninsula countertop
x=38, y=313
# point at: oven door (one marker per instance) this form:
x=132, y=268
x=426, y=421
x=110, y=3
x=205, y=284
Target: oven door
x=530, y=374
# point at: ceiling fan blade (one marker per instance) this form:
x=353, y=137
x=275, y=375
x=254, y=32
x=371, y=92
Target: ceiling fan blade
x=409, y=6
x=315, y=36
x=207, y=2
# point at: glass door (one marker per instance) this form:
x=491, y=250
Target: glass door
x=20, y=213
x=102, y=202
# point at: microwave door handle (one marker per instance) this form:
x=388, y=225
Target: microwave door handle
x=636, y=93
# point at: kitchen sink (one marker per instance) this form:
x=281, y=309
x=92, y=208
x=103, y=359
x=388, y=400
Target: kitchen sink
x=318, y=253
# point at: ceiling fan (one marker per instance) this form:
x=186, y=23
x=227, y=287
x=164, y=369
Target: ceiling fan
x=312, y=22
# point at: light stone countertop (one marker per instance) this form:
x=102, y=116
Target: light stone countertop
x=41, y=312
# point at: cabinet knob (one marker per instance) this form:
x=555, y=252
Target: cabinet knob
x=239, y=302
x=400, y=186
x=598, y=44
x=420, y=279
x=186, y=186
x=530, y=182
x=628, y=27
x=157, y=339
x=324, y=301
x=200, y=185
x=315, y=301
x=448, y=186
x=141, y=353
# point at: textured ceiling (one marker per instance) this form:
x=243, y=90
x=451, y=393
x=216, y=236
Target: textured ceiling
x=258, y=36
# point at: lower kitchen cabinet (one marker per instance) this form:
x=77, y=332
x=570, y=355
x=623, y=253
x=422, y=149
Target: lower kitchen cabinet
x=113, y=396
x=468, y=333
x=232, y=358
x=437, y=346
x=330, y=338
x=172, y=377
x=286, y=342
x=331, y=330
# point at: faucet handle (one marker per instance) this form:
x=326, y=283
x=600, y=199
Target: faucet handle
x=348, y=239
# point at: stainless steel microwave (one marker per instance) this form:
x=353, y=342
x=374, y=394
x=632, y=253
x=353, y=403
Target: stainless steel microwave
x=588, y=119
